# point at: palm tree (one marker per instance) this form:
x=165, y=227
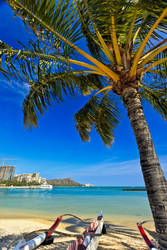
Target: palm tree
x=127, y=63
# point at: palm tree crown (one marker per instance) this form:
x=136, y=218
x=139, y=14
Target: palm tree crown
x=125, y=47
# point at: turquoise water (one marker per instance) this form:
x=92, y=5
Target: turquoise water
x=79, y=200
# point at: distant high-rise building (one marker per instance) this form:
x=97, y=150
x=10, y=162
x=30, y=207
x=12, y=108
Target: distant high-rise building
x=7, y=172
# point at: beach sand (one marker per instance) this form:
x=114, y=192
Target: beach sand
x=127, y=237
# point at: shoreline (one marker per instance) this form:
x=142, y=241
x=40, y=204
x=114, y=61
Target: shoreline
x=36, y=187
x=134, y=189
x=115, y=219
x=23, y=187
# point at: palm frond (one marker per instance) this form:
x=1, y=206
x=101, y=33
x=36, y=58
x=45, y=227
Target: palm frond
x=84, y=83
x=155, y=64
x=157, y=97
x=28, y=64
x=101, y=114
x=102, y=12
x=51, y=20
x=153, y=54
x=39, y=21
x=149, y=12
x=99, y=39
x=55, y=87
x=143, y=44
x=88, y=32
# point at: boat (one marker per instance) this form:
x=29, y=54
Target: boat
x=144, y=235
x=86, y=241
x=43, y=238
x=46, y=186
x=90, y=238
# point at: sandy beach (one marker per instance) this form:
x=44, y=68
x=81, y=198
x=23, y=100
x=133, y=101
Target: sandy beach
x=124, y=238
x=23, y=211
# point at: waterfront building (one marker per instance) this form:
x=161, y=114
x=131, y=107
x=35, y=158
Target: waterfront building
x=35, y=175
x=42, y=180
x=7, y=172
x=30, y=177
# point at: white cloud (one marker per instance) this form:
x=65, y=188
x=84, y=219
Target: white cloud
x=15, y=86
x=14, y=90
x=104, y=169
x=124, y=168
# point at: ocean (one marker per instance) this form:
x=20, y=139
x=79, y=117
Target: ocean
x=82, y=201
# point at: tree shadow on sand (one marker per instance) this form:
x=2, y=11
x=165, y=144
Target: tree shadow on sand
x=153, y=235
x=121, y=237
x=75, y=226
x=117, y=237
x=9, y=241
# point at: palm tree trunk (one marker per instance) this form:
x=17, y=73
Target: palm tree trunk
x=154, y=178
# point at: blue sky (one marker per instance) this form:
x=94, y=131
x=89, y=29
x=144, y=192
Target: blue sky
x=54, y=148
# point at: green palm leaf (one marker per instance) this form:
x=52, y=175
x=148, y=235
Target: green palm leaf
x=88, y=31
x=55, y=87
x=146, y=16
x=101, y=114
x=157, y=97
x=46, y=16
x=45, y=63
